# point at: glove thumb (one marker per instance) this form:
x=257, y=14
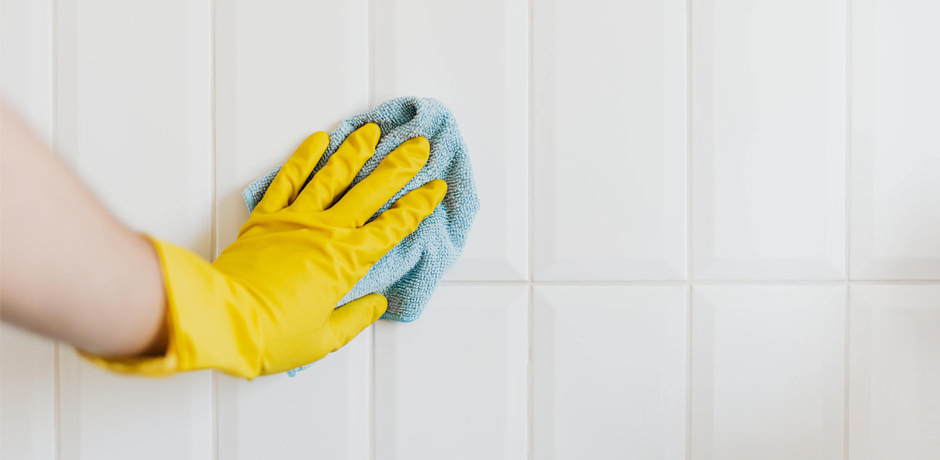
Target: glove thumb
x=348, y=321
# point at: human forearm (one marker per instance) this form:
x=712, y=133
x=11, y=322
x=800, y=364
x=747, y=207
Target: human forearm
x=68, y=269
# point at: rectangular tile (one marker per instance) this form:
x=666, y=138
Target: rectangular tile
x=453, y=384
x=768, y=372
x=322, y=412
x=27, y=362
x=134, y=115
x=609, y=113
x=27, y=396
x=134, y=104
x=768, y=139
x=491, y=107
x=282, y=72
x=894, y=382
x=105, y=416
x=895, y=149
x=609, y=372
x=26, y=55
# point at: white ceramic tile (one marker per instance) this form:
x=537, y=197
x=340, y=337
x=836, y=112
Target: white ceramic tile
x=609, y=372
x=895, y=148
x=322, y=412
x=26, y=58
x=453, y=384
x=609, y=100
x=283, y=71
x=27, y=363
x=768, y=372
x=105, y=416
x=134, y=106
x=27, y=396
x=768, y=139
x=475, y=61
x=894, y=382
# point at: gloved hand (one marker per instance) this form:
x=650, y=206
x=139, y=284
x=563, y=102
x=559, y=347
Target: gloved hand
x=266, y=305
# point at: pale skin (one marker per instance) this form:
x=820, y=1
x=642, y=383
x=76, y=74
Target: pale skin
x=69, y=270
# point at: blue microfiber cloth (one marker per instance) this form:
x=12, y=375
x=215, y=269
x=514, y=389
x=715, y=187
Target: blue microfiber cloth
x=408, y=274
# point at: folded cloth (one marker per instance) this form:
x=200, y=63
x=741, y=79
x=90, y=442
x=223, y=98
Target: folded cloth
x=408, y=274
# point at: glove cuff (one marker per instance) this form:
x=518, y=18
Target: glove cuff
x=206, y=326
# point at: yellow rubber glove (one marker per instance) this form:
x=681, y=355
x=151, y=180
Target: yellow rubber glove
x=267, y=303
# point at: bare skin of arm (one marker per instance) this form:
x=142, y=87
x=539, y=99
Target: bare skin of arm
x=69, y=270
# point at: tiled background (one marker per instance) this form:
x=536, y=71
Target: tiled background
x=710, y=228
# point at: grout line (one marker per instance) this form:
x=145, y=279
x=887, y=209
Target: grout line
x=766, y=282
x=688, y=373
x=848, y=141
x=372, y=364
x=214, y=220
x=487, y=282
x=56, y=403
x=894, y=282
x=371, y=25
x=688, y=223
x=372, y=393
x=847, y=222
x=531, y=143
x=213, y=154
x=756, y=282
x=54, y=134
x=845, y=373
x=530, y=375
x=688, y=141
x=530, y=126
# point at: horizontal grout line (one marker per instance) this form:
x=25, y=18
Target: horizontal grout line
x=688, y=283
x=894, y=282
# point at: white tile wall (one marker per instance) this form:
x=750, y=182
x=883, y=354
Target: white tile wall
x=768, y=139
x=768, y=370
x=266, y=104
x=141, y=137
x=609, y=129
x=455, y=378
x=895, y=372
x=322, y=413
x=708, y=227
x=895, y=195
x=27, y=362
x=484, y=81
x=610, y=372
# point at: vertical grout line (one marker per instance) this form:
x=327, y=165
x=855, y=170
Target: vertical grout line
x=56, y=404
x=530, y=125
x=213, y=155
x=688, y=140
x=848, y=141
x=688, y=218
x=847, y=223
x=370, y=5
x=57, y=380
x=530, y=372
x=530, y=332
x=371, y=51
x=214, y=221
x=688, y=372
x=845, y=370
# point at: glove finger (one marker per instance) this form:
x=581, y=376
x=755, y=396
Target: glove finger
x=348, y=321
x=290, y=179
x=403, y=217
x=395, y=171
x=330, y=182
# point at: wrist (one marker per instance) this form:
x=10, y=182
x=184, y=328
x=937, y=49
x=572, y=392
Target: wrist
x=206, y=324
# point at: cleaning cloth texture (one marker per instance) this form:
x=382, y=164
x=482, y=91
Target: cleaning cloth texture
x=408, y=274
